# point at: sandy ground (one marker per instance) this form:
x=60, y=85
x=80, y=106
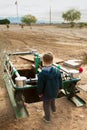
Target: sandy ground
x=65, y=44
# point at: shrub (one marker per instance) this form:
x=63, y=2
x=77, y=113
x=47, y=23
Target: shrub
x=4, y=21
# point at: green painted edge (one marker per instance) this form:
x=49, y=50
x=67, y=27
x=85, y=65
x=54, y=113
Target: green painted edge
x=80, y=100
x=19, y=112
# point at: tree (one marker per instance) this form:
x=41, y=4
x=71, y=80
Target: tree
x=4, y=21
x=28, y=19
x=71, y=16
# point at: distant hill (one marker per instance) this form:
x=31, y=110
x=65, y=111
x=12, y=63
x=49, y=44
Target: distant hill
x=15, y=20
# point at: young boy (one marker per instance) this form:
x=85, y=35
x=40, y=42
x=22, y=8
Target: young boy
x=49, y=82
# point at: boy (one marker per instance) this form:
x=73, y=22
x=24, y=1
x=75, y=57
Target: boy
x=49, y=82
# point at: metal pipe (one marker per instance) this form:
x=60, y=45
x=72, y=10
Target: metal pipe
x=61, y=68
x=22, y=53
x=31, y=80
x=14, y=69
x=9, y=76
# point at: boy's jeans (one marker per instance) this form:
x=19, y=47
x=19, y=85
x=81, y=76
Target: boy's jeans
x=47, y=105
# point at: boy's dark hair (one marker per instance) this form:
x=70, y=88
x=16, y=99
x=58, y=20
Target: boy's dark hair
x=48, y=58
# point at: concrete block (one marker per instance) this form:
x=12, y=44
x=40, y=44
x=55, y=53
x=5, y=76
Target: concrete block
x=73, y=63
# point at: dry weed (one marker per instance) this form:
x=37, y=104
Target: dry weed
x=84, y=58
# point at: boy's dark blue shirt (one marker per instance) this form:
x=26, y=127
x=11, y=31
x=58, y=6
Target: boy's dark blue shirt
x=49, y=82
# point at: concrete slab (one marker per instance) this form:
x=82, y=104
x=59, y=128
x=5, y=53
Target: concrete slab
x=73, y=63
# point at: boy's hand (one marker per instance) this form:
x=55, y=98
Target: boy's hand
x=40, y=96
x=61, y=90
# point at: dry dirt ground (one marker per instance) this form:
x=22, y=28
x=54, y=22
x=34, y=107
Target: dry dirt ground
x=65, y=44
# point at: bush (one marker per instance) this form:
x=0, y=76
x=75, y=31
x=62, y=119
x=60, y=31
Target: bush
x=81, y=25
x=4, y=21
x=7, y=25
x=22, y=25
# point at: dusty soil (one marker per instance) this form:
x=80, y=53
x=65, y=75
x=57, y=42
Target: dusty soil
x=65, y=44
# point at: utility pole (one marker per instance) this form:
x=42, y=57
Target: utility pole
x=16, y=3
x=50, y=15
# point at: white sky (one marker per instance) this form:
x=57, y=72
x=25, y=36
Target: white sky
x=38, y=7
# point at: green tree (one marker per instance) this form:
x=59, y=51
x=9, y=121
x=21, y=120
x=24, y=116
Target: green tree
x=71, y=16
x=4, y=21
x=28, y=19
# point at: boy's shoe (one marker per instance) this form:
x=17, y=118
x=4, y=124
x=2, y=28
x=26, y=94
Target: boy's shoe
x=54, y=112
x=47, y=121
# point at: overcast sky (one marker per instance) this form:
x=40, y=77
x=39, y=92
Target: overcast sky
x=37, y=7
